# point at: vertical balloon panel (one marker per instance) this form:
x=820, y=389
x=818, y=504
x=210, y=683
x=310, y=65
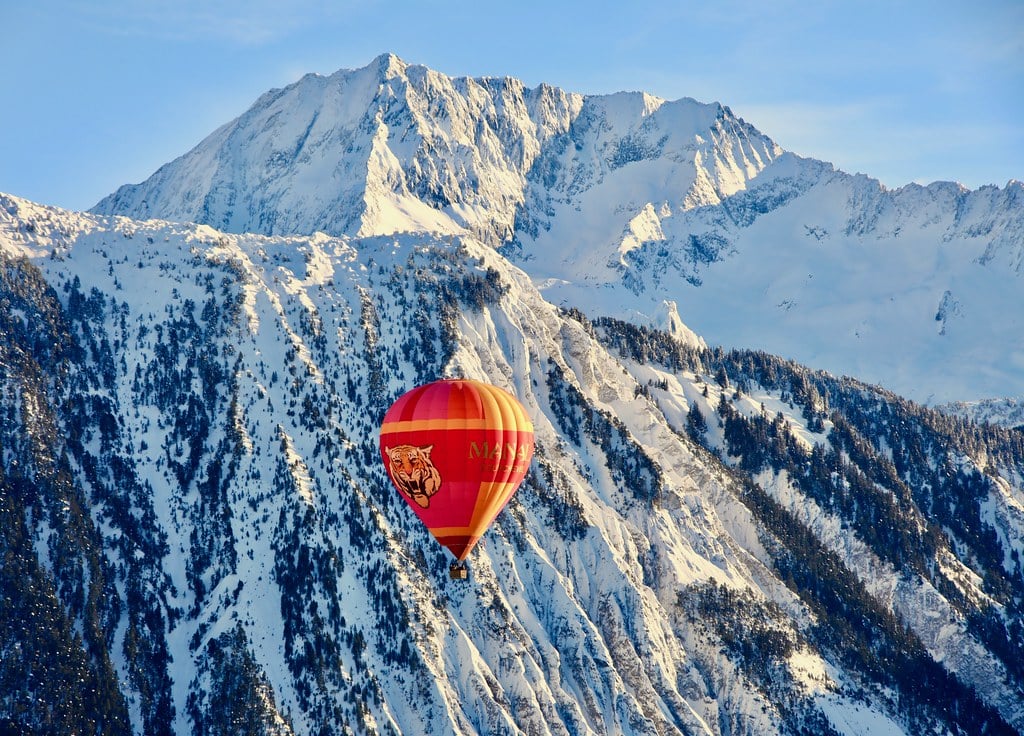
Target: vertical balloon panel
x=456, y=450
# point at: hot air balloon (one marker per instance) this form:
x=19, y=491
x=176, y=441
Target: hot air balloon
x=456, y=450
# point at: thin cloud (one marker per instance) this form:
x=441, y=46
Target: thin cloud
x=810, y=121
x=242, y=22
x=852, y=138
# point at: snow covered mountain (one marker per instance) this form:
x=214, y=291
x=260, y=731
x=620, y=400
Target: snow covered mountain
x=393, y=147
x=199, y=536
x=634, y=207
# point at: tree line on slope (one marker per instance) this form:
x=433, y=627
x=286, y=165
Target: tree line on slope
x=893, y=472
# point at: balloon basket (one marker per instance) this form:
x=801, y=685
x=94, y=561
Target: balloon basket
x=458, y=571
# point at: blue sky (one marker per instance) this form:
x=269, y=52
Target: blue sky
x=101, y=93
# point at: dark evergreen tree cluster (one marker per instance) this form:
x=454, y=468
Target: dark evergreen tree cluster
x=753, y=631
x=759, y=637
x=896, y=472
x=647, y=345
x=233, y=697
x=55, y=671
x=303, y=563
x=860, y=632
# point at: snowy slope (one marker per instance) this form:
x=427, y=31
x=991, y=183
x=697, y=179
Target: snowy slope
x=1001, y=412
x=916, y=289
x=204, y=452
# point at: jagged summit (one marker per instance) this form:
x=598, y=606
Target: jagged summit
x=397, y=147
x=389, y=65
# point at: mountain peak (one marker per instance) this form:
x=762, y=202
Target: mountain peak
x=439, y=154
x=389, y=65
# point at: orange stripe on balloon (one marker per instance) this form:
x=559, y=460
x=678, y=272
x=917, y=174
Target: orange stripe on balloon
x=479, y=521
x=461, y=539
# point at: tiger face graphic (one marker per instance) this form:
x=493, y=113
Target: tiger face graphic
x=413, y=472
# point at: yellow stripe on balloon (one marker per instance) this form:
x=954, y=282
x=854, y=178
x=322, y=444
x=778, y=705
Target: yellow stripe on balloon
x=421, y=425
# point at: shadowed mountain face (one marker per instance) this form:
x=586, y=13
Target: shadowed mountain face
x=199, y=535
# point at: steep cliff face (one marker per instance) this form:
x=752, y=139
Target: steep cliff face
x=200, y=538
x=395, y=147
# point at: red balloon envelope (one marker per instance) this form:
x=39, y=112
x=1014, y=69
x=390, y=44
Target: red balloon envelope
x=456, y=450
